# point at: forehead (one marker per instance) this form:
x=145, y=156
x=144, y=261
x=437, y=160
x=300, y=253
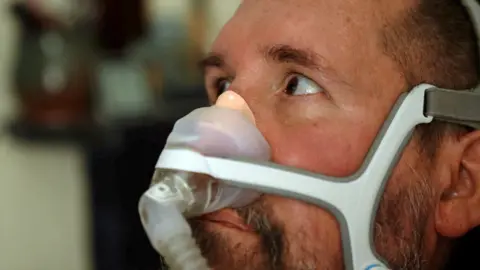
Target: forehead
x=303, y=19
x=340, y=31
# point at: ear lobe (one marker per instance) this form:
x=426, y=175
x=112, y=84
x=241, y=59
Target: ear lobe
x=451, y=218
x=459, y=208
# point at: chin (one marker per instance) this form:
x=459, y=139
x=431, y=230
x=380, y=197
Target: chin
x=226, y=247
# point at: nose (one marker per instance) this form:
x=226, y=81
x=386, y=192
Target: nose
x=231, y=100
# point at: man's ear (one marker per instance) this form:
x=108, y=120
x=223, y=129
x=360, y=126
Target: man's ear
x=459, y=207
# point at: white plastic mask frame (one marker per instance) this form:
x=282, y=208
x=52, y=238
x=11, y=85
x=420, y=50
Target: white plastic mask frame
x=341, y=196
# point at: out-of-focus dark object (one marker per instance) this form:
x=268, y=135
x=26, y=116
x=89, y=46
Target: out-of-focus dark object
x=122, y=92
x=465, y=251
x=121, y=23
x=52, y=70
x=147, y=62
x=119, y=172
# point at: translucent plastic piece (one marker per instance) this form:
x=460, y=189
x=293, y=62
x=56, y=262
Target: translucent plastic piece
x=220, y=132
x=201, y=194
x=172, y=236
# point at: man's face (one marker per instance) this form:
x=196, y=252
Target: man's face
x=315, y=76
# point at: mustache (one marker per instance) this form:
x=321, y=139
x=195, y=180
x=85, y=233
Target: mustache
x=271, y=235
x=255, y=216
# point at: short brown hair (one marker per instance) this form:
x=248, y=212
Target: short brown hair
x=435, y=42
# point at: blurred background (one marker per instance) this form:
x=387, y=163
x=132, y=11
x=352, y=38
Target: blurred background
x=89, y=90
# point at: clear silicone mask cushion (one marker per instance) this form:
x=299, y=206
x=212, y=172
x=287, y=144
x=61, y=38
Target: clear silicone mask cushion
x=239, y=160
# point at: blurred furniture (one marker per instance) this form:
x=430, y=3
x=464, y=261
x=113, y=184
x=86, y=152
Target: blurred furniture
x=52, y=76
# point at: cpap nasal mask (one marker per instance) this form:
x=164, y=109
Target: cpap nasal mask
x=216, y=158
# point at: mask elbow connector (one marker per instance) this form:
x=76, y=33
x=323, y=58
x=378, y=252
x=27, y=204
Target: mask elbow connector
x=175, y=196
x=162, y=209
x=172, y=235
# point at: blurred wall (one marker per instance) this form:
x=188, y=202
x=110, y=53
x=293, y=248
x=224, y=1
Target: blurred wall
x=219, y=14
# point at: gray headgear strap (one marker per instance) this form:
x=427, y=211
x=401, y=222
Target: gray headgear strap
x=459, y=107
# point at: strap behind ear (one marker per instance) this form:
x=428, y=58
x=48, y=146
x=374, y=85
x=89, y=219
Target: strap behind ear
x=454, y=106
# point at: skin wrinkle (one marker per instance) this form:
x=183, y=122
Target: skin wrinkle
x=312, y=133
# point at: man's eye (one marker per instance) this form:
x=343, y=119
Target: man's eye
x=300, y=85
x=222, y=85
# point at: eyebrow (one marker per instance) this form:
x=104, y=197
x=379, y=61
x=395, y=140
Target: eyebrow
x=282, y=54
x=302, y=57
x=212, y=60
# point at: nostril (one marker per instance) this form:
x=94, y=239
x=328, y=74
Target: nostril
x=232, y=100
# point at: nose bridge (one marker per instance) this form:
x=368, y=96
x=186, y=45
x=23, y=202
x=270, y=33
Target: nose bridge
x=252, y=91
x=251, y=82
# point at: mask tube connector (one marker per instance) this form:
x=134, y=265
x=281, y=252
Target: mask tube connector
x=162, y=210
x=172, y=235
x=174, y=196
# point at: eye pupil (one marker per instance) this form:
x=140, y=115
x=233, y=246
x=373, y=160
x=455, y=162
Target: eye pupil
x=222, y=86
x=292, y=86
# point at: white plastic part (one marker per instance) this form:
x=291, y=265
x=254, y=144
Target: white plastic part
x=342, y=196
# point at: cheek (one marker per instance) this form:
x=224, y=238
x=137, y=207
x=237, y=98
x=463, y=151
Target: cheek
x=306, y=226
x=335, y=151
